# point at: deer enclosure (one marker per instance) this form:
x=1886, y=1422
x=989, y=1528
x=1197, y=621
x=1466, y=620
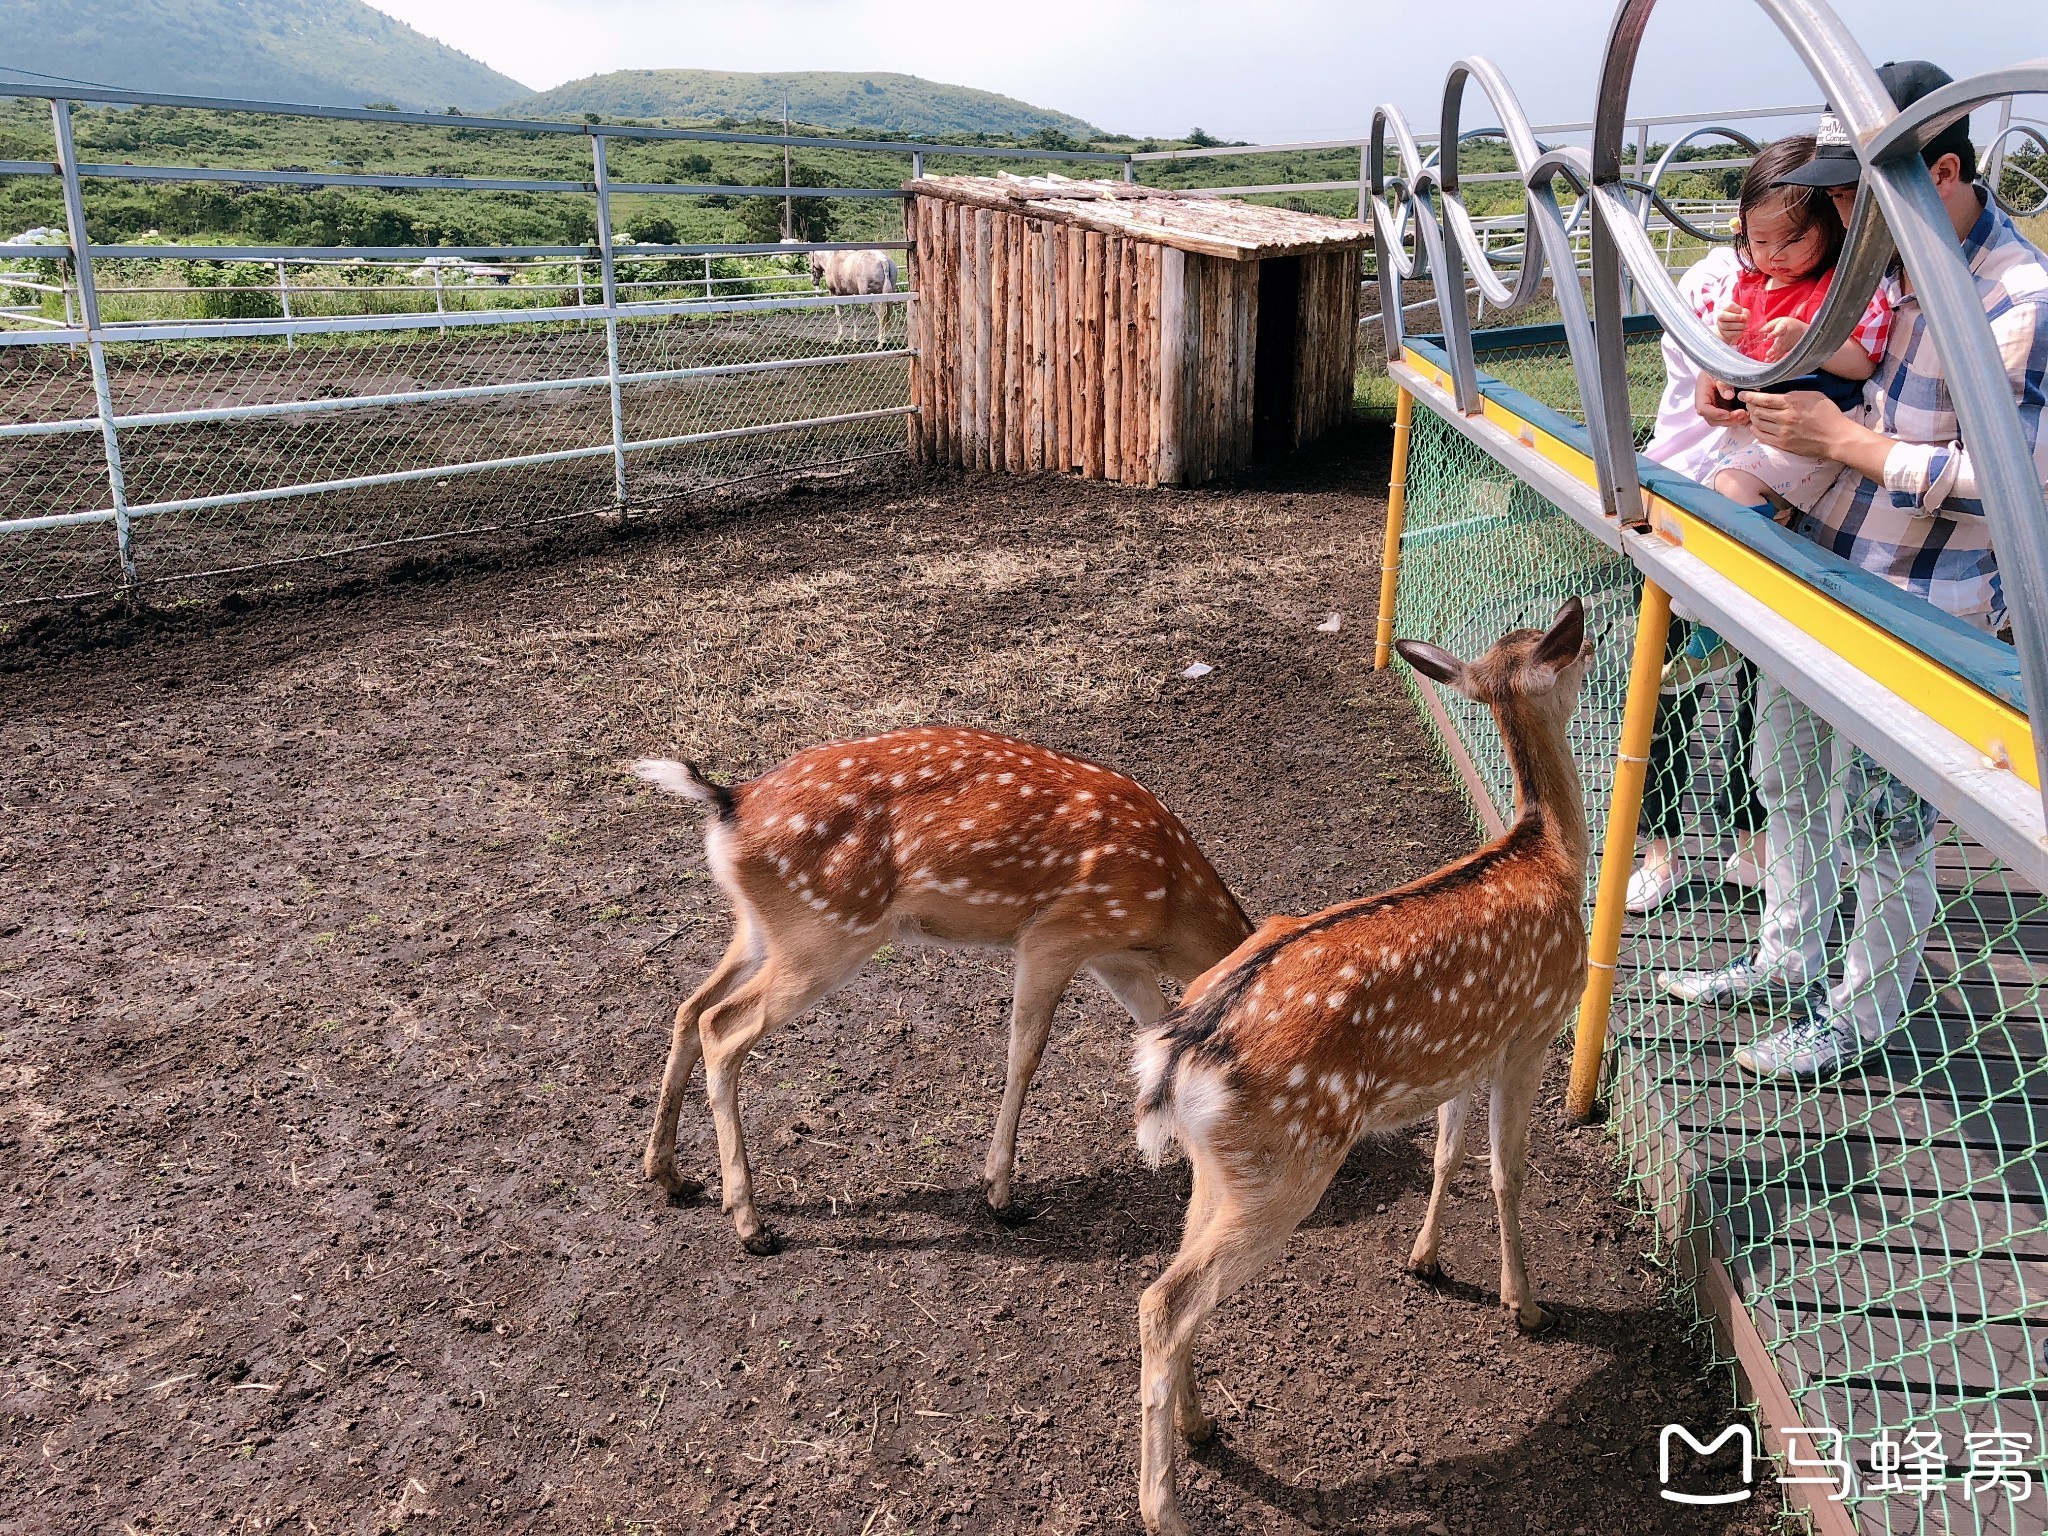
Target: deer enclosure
x=341, y=949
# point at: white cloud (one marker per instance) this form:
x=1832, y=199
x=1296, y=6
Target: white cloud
x=1305, y=69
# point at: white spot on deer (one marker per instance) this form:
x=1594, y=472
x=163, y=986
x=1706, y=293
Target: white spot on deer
x=1297, y=1076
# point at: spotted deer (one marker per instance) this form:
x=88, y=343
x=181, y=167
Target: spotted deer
x=936, y=834
x=1318, y=1030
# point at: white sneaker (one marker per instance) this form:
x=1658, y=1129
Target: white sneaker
x=1650, y=886
x=1812, y=1047
x=1742, y=867
x=1732, y=985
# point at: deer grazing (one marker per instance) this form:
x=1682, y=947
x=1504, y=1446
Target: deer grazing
x=935, y=834
x=1318, y=1030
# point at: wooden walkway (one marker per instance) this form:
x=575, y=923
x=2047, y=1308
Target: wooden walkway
x=1888, y=1231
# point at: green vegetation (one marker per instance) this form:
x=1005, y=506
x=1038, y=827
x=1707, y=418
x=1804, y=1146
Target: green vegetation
x=330, y=52
x=218, y=212
x=900, y=104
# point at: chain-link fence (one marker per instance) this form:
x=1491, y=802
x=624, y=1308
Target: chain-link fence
x=1885, y=1218
x=241, y=454
x=177, y=409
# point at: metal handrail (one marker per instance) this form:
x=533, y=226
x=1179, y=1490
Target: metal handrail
x=1897, y=210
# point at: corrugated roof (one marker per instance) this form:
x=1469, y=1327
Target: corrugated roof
x=1209, y=226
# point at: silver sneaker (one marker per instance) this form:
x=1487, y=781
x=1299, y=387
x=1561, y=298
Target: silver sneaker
x=1742, y=982
x=1814, y=1047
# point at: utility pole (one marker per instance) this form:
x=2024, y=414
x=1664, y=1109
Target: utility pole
x=787, y=232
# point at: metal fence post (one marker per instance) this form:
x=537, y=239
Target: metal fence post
x=917, y=165
x=1397, y=516
x=1130, y=170
x=440, y=308
x=89, y=310
x=1994, y=170
x=1603, y=948
x=608, y=272
x=284, y=303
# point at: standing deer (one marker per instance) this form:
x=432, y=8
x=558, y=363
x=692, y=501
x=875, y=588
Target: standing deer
x=936, y=834
x=1318, y=1030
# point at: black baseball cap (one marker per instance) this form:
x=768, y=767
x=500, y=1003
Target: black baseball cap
x=1834, y=162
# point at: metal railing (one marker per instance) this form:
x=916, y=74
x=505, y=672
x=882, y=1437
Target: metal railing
x=1865, y=1230
x=736, y=383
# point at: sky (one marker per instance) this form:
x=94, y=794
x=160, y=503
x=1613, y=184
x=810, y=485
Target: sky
x=1270, y=72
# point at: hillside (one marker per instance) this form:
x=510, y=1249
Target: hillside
x=879, y=102
x=329, y=52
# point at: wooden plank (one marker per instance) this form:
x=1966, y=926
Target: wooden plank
x=1247, y=317
x=1171, y=365
x=1087, y=300
x=1888, y=1280
x=1091, y=355
x=1133, y=443
x=1033, y=307
x=1112, y=454
x=1144, y=416
x=1067, y=274
x=998, y=405
x=1009, y=454
x=956, y=321
x=938, y=309
x=1738, y=1339
x=914, y=340
x=984, y=350
x=1221, y=228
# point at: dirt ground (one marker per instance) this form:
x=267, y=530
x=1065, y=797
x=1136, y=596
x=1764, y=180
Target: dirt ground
x=339, y=954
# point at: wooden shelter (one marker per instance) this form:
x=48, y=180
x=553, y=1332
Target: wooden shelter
x=1121, y=331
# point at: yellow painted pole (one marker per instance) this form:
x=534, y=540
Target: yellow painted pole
x=1639, y=716
x=1397, y=512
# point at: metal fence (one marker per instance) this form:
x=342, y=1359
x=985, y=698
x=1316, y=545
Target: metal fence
x=1845, y=780
x=485, y=388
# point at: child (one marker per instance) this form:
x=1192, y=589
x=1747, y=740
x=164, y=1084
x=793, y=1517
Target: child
x=1788, y=239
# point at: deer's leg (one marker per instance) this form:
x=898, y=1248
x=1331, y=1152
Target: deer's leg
x=787, y=983
x=1042, y=975
x=1134, y=983
x=1195, y=1426
x=1240, y=1238
x=1450, y=1157
x=1514, y=1096
x=683, y=1050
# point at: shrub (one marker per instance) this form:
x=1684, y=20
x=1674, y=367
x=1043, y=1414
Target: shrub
x=235, y=290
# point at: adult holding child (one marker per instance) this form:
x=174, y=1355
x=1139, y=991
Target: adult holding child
x=1761, y=294
x=1904, y=507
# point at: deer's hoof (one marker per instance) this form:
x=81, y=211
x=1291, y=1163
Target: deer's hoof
x=1197, y=1428
x=682, y=1191
x=1166, y=1521
x=1010, y=1215
x=1430, y=1271
x=762, y=1242
x=1531, y=1318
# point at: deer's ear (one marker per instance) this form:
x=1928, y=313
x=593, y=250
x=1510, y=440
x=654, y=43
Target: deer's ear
x=1433, y=661
x=1566, y=637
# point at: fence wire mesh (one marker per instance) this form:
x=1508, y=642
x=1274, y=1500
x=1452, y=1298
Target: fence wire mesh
x=1886, y=1225
x=779, y=420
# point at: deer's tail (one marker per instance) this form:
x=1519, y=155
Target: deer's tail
x=687, y=779
x=1179, y=1097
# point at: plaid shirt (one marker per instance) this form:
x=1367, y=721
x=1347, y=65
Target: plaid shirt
x=1924, y=529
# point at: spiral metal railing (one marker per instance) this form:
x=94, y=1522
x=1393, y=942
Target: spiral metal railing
x=1872, y=1247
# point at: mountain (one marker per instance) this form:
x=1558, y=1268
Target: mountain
x=891, y=103
x=325, y=52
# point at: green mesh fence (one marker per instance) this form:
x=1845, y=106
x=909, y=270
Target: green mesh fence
x=1884, y=1220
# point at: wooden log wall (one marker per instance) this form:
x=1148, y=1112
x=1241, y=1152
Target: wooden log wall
x=1042, y=345
x=1325, y=343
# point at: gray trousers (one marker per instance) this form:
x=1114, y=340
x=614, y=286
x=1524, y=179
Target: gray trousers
x=1822, y=796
